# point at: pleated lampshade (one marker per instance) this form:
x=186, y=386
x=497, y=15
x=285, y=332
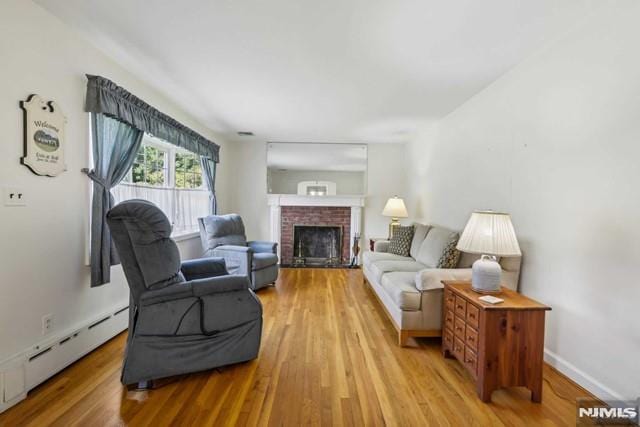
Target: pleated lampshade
x=489, y=233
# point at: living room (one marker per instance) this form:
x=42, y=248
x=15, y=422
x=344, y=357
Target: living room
x=313, y=204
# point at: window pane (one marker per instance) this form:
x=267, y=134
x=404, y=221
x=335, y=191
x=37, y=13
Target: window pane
x=154, y=166
x=188, y=172
x=180, y=161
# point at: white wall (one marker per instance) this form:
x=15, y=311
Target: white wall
x=386, y=176
x=42, y=245
x=556, y=142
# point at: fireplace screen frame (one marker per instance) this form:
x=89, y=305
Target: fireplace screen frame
x=335, y=260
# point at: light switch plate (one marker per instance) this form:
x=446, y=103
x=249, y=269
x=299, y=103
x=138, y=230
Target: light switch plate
x=14, y=196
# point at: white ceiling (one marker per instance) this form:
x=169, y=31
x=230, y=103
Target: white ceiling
x=319, y=70
x=317, y=157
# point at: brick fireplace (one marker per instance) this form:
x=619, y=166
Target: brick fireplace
x=291, y=216
x=289, y=210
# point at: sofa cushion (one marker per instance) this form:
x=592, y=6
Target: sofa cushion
x=369, y=258
x=401, y=288
x=431, y=278
x=419, y=233
x=379, y=268
x=400, y=242
x=263, y=260
x=434, y=245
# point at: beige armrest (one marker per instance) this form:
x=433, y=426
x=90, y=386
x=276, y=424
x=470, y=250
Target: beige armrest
x=381, y=246
x=431, y=278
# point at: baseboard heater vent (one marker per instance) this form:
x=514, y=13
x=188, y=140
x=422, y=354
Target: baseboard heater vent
x=99, y=322
x=35, y=356
x=33, y=366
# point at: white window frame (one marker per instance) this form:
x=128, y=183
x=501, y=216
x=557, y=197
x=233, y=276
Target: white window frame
x=170, y=176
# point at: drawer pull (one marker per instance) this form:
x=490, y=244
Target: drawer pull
x=470, y=339
x=473, y=316
x=460, y=306
x=458, y=328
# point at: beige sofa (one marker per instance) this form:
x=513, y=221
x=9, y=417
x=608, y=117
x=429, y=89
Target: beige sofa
x=410, y=288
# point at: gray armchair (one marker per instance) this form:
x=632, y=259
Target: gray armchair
x=224, y=236
x=183, y=317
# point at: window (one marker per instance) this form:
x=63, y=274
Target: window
x=170, y=177
x=188, y=171
x=150, y=166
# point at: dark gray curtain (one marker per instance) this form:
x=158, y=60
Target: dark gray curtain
x=209, y=175
x=115, y=145
x=106, y=97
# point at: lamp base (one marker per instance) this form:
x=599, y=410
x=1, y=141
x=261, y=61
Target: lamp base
x=485, y=275
x=395, y=222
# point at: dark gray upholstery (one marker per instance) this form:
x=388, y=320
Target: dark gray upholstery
x=224, y=236
x=184, y=317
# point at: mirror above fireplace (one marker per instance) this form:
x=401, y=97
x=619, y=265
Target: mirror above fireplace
x=313, y=169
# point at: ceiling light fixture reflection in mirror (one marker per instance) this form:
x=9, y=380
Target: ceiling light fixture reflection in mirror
x=316, y=169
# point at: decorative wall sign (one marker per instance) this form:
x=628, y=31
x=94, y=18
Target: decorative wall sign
x=44, y=137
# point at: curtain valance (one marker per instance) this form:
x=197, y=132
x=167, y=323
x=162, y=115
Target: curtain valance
x=106, y=97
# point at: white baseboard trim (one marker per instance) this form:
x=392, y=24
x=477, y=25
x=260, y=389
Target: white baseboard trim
x=580, y=377
x=25, y=370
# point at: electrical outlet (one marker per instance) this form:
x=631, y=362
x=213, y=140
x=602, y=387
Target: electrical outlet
x=14, y=196
x=47, y=324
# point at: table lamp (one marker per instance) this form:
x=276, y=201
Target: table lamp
x=394, y=208
x=491, y=235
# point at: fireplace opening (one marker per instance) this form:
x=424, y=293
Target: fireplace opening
x=317, y=245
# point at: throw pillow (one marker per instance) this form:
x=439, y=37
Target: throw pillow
x=400, y=243
x=450, y=255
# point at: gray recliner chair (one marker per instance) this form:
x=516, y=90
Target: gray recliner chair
x=184, y=317
x=224, y=236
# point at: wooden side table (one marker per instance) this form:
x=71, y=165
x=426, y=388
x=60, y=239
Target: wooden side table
x=501, y=345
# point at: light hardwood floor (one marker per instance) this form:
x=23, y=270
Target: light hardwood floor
x=329, y=356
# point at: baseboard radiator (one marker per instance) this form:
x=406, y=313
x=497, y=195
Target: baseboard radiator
x=24, y=371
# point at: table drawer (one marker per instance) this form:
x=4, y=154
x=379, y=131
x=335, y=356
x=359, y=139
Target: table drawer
x=449, y=320
x=471, y=338
x=459, y=328
x=447, y=340
x=449, y=300
x=461, y=307
x=471, y=361
x=473, y=316
x=458, y=349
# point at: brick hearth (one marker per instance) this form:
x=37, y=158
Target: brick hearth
x=313, y=215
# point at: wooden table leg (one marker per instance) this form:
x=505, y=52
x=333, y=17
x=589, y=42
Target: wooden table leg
x=536, y=392
x=484, y=392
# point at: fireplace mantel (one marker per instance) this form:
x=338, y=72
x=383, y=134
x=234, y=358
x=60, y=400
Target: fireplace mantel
x=276, y=201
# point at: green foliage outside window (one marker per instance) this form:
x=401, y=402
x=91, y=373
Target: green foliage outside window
x=149, y=166
x=188, y=171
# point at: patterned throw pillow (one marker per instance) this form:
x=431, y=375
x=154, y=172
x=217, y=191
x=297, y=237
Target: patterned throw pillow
x=450, y=255
x=400, y=243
